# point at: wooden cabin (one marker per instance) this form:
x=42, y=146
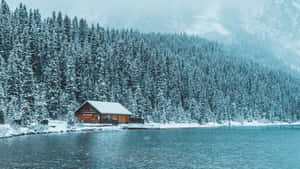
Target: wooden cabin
x=102, y=112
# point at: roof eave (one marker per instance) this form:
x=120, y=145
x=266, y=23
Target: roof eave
x=89, y=104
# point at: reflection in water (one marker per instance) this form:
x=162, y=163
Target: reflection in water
x=212, y=148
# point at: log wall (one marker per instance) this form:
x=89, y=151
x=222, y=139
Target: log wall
x=87, y=114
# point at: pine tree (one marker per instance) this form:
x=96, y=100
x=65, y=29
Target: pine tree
x=40, y=104
x=194, y=110
x=141, y=103
x=132, y=103
x=52, y=87
x=14, y=71
x=160, y=109
x=3, y=83
x=2, y=105
x=12, y=110
x=26, y=91
x=70, y=101
x=5, y=30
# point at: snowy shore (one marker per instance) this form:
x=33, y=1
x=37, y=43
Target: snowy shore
x=56, y=126
x=208, y=125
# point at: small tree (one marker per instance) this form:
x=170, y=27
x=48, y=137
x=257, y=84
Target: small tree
x=40, y=108
x=2, y=103
x=26, y=114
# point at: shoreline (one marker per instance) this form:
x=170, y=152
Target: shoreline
x=55, y=126
x=61, y=127
x=95, y=129
x=169, y=126
x=49, y=132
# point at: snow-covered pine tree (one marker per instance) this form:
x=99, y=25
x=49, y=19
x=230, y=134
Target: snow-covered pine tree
x=14, y=71
x=141, y=103
x=5, y=30
x=194, y=110
x=132, y=104
x=40, y=104
x=52, y=83
x=2, y=104
x=12, y=110
x=3, y=77
x=70, y=102
x=27, y=91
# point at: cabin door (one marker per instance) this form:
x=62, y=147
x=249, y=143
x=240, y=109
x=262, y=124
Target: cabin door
x=123, y=119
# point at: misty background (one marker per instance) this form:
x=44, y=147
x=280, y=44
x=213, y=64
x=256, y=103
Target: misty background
x=150, y=16
x=266, y=31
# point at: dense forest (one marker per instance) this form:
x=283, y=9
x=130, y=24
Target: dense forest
x=49, y=66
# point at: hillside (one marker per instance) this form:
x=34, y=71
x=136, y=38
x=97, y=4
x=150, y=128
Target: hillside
x=50, y=66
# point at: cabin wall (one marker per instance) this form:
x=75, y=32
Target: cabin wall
x=124, y=119
x=89, y=118
x=121, y=118
x=96, y=118
x=87, y=114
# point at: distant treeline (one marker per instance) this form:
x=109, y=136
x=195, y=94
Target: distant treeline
x=50, y=66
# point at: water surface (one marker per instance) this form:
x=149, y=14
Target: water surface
x=235, y=148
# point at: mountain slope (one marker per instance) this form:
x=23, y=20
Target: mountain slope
x=48, y=67
x=270, y=32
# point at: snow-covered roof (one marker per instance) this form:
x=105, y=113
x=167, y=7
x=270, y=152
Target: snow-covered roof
x=109, y=107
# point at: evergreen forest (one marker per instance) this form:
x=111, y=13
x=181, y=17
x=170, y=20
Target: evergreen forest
x=50, y=66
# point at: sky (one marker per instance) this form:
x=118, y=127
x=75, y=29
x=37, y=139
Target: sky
x=191, y=16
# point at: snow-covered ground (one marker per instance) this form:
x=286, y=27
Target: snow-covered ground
x=208, y=125
x=257, y=123
x=171, y=125
x=56, y=126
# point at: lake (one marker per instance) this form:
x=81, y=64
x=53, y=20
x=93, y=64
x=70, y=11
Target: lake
x=223, y=148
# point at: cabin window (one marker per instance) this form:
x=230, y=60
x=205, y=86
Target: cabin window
x=97, y=117
x=106, y=116
x=87, y=115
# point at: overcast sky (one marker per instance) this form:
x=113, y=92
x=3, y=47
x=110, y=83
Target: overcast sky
x=148, y=15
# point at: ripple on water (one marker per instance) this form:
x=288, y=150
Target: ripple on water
x=242, y=148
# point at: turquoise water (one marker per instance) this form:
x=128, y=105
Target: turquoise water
x=224, y=148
